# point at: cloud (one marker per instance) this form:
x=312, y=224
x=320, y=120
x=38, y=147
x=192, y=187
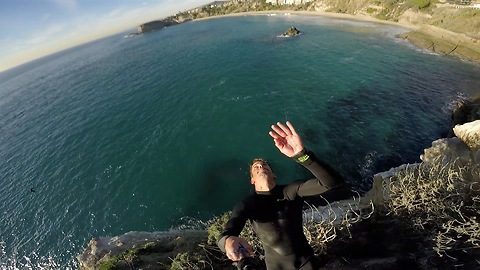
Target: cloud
x=50, y=33
x=45, y=17
x=84, y=28
x=70, y=5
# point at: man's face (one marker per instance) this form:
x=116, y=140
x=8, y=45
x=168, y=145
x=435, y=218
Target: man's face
x=260, y=170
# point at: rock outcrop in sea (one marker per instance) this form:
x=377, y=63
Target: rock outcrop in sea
x=373, y=242
x=291, y=32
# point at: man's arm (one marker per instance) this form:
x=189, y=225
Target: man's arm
x=326, y=177
x=228, y=241
x=289, y=143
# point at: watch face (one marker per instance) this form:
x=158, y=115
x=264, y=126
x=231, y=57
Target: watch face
x=303, y=158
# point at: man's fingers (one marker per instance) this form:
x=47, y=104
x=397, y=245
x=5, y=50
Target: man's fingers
x=234, y=256
x=292, y=129
x=274, y=135
x=285, y=129
x=279, y=131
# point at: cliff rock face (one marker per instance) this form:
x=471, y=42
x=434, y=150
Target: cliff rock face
x=444, y=29
x=463, y=150
x=379, y=193
x=448, y=150
x=155, y=25
x=466, y=111
x=470, y=134
x=445, y=42
x=139, y=248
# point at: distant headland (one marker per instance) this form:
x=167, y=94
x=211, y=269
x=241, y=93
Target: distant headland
x=447, y=27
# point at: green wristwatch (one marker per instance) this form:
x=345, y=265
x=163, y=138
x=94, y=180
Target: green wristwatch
x=303, y=158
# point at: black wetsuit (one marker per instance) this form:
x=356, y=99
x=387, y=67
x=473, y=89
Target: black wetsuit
x=276, y=217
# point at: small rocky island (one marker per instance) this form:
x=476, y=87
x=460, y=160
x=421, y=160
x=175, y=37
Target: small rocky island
x=291, y=32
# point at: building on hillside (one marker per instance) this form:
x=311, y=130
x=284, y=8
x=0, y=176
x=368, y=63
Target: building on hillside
x=288, y=2
x=452, y=2
x=464, y=3
x=459, y=2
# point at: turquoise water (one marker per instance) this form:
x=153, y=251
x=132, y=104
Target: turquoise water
x=135, y=133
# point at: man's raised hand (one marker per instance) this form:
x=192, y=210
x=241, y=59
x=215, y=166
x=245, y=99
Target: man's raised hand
x=286, y=139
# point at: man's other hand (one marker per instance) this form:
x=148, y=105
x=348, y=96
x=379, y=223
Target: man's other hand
x=232, y=244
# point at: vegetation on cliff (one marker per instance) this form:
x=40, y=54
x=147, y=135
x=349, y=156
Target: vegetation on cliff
x=429, y=219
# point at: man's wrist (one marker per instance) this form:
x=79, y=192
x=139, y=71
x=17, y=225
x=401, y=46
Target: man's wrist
x=302, y=156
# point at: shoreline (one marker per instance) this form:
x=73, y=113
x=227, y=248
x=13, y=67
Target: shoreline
x=424, y=36
x=332, y=15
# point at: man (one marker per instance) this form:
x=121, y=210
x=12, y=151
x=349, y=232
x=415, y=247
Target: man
x=275, y=211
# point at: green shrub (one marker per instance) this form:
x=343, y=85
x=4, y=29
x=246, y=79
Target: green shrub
x=420, y=3
x=184, y=261
x=216, y=227
x=129, y=256
x=382, y=16
x=109, y=264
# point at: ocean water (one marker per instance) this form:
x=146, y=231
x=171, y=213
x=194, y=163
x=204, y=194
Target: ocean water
x=132, y=134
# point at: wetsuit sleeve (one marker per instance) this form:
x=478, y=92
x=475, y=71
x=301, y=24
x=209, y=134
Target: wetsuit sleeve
x=235, y=224
x=326, y=177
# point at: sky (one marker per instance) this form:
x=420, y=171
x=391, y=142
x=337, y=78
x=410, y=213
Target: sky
x=30, y=29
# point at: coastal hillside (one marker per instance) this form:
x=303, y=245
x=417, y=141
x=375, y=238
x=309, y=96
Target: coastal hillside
x=449, y=16
x=445, y=28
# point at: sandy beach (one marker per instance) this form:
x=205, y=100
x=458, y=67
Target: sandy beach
x=428, y=37
x=357, y=17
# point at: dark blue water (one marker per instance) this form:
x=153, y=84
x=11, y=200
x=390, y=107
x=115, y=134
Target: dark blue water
x=135, y=133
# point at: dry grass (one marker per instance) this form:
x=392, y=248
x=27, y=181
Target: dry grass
x=320, y=227
x=322, y=224
x=441, y=200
